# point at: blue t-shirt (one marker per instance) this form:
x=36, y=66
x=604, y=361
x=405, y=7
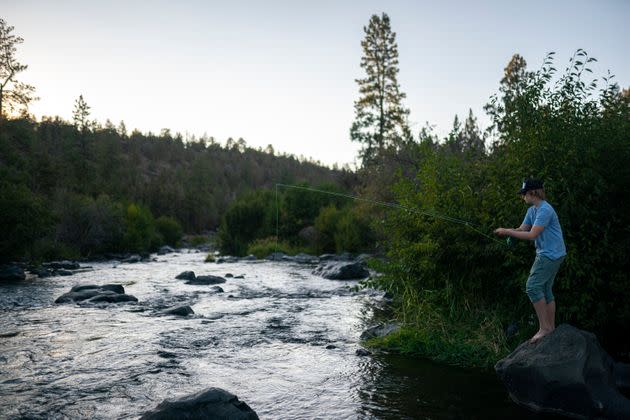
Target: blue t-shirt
x=550, y=242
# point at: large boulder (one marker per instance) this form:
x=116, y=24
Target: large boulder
x=11, y=273
x=339, y=270
x=566, y=372
x=212, y=403
x=204, y=280
x=107, y=293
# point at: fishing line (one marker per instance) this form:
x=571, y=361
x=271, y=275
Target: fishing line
x=472, y=226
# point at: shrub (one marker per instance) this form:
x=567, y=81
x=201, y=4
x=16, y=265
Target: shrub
x=170, y=229
x=262, y=248
x=24, y=219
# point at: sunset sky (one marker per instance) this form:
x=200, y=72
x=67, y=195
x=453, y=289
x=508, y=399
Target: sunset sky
x=282, y=72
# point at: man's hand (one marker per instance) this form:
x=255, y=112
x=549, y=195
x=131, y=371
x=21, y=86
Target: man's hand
x=501, y=231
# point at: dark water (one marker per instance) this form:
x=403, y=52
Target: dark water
x=263, y=339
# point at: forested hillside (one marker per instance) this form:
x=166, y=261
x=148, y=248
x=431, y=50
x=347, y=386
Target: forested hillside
x=73, y=189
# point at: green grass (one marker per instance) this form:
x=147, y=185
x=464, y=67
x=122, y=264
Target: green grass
x=261, y=248
x=471, y=337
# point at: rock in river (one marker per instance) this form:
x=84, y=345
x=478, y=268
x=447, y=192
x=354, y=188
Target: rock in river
x=179, y=311
x=566, y=372
x=109, y=293
x=206, y=280
x=212, y=403
x=186, y=275
x=337, y=270
x=11, y=272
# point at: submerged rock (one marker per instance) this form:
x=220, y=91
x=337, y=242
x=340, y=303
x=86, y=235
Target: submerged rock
x=165, y=250
x=62, y=272
x=132, y=259
x=212, y=403
x=362, y=352
x=566, y=372
x=109, y=293
x=227, y=259
x=342, y=270
x=66, y=265
x=184, y=310
x=206, y=280
x=303, y=258
x=380, y=330
x=11, y=272
x=276, y=256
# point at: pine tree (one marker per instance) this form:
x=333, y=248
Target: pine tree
x=380, y=118
x=14, y=95
x=81, y=114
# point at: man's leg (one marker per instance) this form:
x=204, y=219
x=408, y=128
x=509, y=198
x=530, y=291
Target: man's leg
x=551, y=314
x=541, y=309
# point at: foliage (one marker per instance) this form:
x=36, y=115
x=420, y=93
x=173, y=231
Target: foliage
x=257, y=215
x=264, y=247
x=353, y=233
x=250, y=217
x=380, y=118
x=140, y=232
x=14, y=95
x=25, y=219
x=81, y=114
x=326, y=225
x=566, y=132
x=170, y=229
x=91, y=226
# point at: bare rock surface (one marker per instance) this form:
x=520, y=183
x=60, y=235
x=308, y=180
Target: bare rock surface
x=566, y=372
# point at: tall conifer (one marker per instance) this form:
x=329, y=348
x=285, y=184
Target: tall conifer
x=380, y=118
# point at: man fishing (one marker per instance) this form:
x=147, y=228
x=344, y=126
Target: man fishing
x=542, y=226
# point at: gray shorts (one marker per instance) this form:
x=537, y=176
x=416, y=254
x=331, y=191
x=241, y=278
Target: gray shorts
x=541, y=278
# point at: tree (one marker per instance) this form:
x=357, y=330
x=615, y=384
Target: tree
x=468, y=139
x=81, y=114
x=380, y=118
x=13, y=94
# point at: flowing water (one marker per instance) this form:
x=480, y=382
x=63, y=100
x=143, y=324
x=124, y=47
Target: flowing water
x=264, y=339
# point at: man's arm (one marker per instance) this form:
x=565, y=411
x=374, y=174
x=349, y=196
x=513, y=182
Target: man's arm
x=524, y=231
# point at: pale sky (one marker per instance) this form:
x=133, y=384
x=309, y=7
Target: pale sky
x=282, y=72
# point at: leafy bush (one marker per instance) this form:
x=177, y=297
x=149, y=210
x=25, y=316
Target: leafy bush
x=88, y=225
x=170, y=229
x=250, y=217
x=140, y=232
x=353, y=233
x=262, y=248
x=326, y=226
x=24, y=219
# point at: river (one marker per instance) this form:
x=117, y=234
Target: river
x=281, y=339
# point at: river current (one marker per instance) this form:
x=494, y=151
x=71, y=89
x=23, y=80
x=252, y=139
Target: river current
x=280, y=338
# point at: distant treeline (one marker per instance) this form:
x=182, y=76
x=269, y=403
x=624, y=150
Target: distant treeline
x=69, y=190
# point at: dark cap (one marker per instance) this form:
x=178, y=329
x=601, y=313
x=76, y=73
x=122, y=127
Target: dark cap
x=531, y=184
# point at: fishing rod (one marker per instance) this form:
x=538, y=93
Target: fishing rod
x=472, y=226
